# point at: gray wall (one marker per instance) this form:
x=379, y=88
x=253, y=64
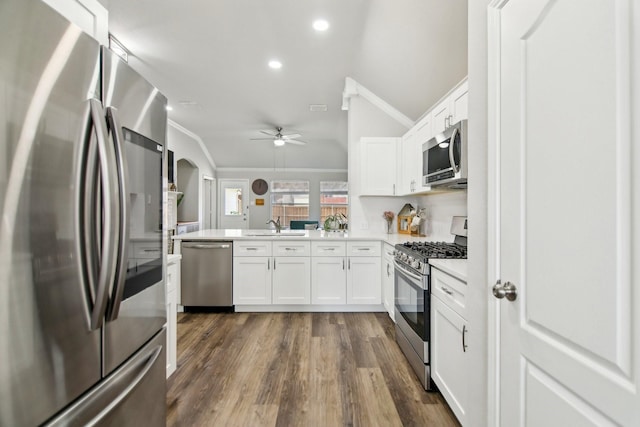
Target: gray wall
x=259, y=215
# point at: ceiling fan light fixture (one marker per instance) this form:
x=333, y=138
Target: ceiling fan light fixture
x=320, y=25
x=278, y=142
x=275, y=64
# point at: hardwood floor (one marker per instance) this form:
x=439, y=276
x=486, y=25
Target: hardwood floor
x=296, y=369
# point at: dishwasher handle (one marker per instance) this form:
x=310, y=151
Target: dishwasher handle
x=206, y=246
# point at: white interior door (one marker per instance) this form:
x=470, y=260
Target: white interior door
x=569, y=352
x=209, y=205
x=233, y=203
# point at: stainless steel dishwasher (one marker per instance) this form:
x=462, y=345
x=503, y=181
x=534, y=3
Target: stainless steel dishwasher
x=206, y=279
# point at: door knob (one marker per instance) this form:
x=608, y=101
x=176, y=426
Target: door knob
x=508, y=291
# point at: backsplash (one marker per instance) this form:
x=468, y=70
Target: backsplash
x=440, y=208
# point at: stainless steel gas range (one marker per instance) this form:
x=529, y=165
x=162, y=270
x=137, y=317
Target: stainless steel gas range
x=413, y=295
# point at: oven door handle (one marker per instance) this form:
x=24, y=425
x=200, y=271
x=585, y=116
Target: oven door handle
x=408, y=273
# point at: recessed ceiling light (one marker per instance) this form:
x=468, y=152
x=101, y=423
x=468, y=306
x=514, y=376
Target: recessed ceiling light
x=320, y=25
x=275, y=64
x=168, y=108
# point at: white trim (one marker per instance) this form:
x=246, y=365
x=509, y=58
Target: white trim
x=311, y=308
x=192, y=135
x=280, y=170
x=493, y=209
x=445, y=96
x=353, y=88
x=208, y=178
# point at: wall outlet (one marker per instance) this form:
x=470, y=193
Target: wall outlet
x=364, y=225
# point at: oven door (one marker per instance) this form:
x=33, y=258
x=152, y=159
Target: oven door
x=412, y=300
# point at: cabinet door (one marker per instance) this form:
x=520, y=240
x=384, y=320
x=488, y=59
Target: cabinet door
x=172, y=338
x=378, y=166
x=328, y=280
x=449, y=360
x=291, y=280
x=440, y=115
x=459, y=103
x=406, y=184
x=251, y=280
x=388, y=272
x=363, y=280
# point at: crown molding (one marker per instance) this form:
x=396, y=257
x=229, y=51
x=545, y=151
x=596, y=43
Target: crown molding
x=353, y=88
x=195, y=137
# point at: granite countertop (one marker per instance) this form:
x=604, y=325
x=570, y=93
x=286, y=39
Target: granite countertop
x=455, y=267
x=231, y=234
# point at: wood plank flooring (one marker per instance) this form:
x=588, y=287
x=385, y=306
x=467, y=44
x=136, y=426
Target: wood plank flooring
x=296, y=369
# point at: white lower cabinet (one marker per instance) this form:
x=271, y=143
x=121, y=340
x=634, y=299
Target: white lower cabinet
x=251, y=280
x=172, y=286
x=291, y=280
x=364, y=284
x=328, y=280
x=307, y=273
x=388, y=277
x=449, y=357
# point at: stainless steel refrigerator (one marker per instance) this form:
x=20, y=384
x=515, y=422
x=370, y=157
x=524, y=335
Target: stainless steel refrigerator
x=82, y=247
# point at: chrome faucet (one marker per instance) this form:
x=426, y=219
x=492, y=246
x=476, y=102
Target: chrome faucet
x=276, y=224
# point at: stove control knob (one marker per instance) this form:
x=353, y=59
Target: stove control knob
x=416, y=264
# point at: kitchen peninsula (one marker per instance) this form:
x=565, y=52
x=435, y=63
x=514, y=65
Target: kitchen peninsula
x=305, y=270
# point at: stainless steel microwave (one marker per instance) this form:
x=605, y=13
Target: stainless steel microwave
x=444, y=158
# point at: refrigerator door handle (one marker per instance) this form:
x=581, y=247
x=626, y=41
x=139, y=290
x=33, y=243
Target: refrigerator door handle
x=102, y=401
x=123, y=233
x=110, y=220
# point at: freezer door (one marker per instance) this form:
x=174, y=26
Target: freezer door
x=134, y=395
x=138, y=122
x=49, y=355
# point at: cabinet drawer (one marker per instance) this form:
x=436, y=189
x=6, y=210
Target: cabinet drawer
x=251, y=248
x=450, y=290
x=289, y=248
x=328, y=249
x=364, y=248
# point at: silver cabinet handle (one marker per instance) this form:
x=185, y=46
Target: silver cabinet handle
x=329, y=249
x=464, y=345
x=508, y=291
x=394, y=189
x=388, y=273
x=268, y=264
x=349, y=263
x=274, y=263
x=364, y=249
x=343, y=264
x=251, y=249
x=446, y=291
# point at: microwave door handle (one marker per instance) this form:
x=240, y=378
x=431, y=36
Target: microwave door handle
x=455, y=167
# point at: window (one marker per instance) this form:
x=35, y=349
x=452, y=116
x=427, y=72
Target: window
x=334, y=199
x=289, y=200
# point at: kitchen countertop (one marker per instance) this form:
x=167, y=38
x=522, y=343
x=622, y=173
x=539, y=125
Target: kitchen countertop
x=455, y=267
x=261, y=234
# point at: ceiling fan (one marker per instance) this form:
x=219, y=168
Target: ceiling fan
x=279, y=138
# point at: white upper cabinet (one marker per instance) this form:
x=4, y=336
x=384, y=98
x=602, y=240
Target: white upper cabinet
x=89, y=15
x=411, y=160
x=451, y=109
x=378, y=166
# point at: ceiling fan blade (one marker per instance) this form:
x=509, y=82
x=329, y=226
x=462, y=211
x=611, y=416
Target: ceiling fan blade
x=291, y=136
x=295, y=142
x=261, y=139
x=269, y=132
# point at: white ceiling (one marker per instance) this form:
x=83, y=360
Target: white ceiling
x=215, y=53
